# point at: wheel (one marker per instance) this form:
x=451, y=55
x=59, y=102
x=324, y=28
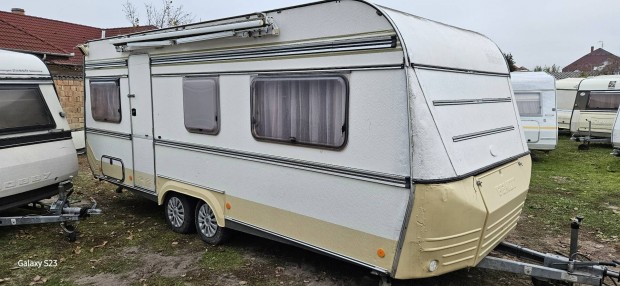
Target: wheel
x=206, y=225
x=179, y=213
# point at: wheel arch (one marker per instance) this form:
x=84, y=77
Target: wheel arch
x=215, y=200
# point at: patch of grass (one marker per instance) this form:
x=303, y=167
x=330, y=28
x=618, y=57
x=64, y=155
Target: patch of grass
x=222, y=259
x=567, y=182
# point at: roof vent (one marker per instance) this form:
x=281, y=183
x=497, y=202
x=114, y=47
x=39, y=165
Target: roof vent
x=18, y=11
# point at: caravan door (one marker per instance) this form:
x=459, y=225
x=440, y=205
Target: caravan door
x=140, y=99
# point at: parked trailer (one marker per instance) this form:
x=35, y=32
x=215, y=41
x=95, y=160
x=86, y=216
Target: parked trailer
x=535, y=96
x=354, y=130
x=615, y=135
x=595, y=110
x=566, y=91
x=37, y=155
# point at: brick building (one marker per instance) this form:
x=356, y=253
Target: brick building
x=55, y=43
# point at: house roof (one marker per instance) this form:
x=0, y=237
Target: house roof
x=56, y=38
x=596, y=58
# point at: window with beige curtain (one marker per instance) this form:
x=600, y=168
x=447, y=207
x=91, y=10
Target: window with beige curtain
x=529, y=104
x=201, y=105
x=23, y=108
x=604, y=100
x=105, y=101
x=300, y=110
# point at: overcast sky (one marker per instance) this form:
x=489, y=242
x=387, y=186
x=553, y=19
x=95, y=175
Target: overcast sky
x=535, y=32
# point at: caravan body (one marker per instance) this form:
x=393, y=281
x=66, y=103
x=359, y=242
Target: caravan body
x=596, y=106
x=566, y=91
x=36, y=150
x=535, y=96
x=354, y=130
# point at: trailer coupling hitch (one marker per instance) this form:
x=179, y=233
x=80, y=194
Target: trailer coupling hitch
x=552, y=267
x=59, y=211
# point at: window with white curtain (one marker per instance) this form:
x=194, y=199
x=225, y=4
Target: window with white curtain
x=529, y=104
x=23, y=108
x=300, y=110
x=105, y=100
x=604, y=100
x=201, y=105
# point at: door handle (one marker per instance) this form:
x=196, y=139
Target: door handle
x=133, y=112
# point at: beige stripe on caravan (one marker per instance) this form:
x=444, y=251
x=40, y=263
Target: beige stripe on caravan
x=335, y=238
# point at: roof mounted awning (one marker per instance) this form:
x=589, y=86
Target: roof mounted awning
x=256, y=27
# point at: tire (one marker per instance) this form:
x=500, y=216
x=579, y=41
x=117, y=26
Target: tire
x=206, y=225
x=178, y=210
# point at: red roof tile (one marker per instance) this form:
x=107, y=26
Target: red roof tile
x=46, y=36
x=594, y=59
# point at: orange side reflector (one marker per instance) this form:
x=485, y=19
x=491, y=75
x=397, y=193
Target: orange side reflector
x=381, y=252
x=130, y=178
x=228, y=206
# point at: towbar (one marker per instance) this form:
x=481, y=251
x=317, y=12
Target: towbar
x=552, y=267
x=58, y=212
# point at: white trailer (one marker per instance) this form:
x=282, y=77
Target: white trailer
x=361, y=132
x=615, y=135
x=595, y=109
x=37, y=155
x=36, y=151
x=566, y=91
x=535, y=96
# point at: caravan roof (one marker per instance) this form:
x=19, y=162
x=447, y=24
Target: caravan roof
x=603, y=82
x=19, y=65
x=523, y=81
x=568, y=83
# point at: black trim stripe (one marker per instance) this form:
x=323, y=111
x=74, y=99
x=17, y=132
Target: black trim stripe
x=471, y=101
x=388, y=179
x=457, y=70
x=17, y=77
x=285, y=50
x=288, y=71
x=482, y=133
x=35, y=139
x=470, y=174
x=107, y=65
x=109, y=133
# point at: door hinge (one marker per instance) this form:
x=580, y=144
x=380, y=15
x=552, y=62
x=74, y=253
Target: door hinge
x=131, y=95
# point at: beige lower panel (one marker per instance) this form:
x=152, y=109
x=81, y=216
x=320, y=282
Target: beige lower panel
x=452, y=224
x=332, y=237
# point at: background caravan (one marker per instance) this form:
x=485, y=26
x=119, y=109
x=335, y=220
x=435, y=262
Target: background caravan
x=318, y=134
x=36, y=150
x=535, y=96
x=566, y=91
x=595, y=110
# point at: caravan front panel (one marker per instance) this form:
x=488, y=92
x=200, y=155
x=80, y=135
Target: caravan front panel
x=596, y=106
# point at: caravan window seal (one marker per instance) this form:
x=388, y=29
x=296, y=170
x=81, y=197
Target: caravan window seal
x=294, y=142
x=48, y=113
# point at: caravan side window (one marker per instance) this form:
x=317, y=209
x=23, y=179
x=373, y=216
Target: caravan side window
x=105, y=100
x=604, y=100
x=201, y=105
x=529, y=104
x=300, y=110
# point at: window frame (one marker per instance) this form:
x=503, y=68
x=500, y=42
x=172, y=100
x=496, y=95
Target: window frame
x=47, y=110
x=117, y=81
x=589, y=94
x=257, y=137
x=540, y=103
x=218, y=115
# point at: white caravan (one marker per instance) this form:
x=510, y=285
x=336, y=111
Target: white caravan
x=354, y=130
x=36, y=150
x=596, y=107
x=566, y=91
x=535, y=96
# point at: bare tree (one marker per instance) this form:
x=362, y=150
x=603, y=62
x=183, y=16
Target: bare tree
x=168, y=15
x=131, y=13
